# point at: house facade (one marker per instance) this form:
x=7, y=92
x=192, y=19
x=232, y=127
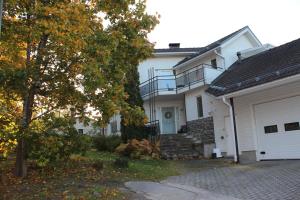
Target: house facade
x=235, y=94
x=179, y=101
x=263, y=94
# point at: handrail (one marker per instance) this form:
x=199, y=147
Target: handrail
x=181, y=80
x=201, y=65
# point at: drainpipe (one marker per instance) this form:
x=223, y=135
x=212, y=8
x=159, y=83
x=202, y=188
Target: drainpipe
x=233, y=127
x=221, y=57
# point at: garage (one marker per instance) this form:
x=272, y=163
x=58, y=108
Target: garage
x=278, y=129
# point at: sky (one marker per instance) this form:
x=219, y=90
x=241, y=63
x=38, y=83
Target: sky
x=195, y=23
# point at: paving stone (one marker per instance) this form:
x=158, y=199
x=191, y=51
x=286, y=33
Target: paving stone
x=267, y=180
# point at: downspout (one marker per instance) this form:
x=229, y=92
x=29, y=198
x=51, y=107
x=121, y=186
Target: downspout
x=233, y=127
x=221, y=57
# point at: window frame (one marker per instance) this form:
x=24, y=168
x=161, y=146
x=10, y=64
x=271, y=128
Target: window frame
x=290, y=123
x=202, y=110
x=213, y=63
x=80, y=130
x=271, y=131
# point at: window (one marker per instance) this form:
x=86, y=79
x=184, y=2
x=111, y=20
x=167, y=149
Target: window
x=271, y=129
x=80, y=131
x=292, y=126
x=214, y=63
x=200, y=106
x=114, y=126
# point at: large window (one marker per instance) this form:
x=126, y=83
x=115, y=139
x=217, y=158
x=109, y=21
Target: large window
x=200, y=106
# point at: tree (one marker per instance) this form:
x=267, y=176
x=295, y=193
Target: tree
x=133, y=130
x=62, y=54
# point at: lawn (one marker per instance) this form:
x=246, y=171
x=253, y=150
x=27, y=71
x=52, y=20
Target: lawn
x=78, y=178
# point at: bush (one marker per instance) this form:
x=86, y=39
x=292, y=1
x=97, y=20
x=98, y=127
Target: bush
x=139, y=149
x=51, y=146
x=98, y=165
x=121, y=163
x=109, y=143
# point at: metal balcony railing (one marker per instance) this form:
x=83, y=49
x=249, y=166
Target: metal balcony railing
x=174, y=82
x=159, y=83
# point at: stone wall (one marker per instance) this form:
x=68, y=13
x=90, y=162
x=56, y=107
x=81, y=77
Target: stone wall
x=202, y=129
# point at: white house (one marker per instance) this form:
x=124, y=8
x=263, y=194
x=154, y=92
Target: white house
x=263, y=96
x=179, y=101
x=235, y=94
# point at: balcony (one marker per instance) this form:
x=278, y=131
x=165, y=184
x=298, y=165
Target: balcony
x=181, y=82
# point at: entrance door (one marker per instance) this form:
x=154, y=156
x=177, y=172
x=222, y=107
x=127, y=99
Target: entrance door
x=168, y=120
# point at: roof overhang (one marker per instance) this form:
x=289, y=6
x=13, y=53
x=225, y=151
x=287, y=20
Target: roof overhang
x=195, y=58
x=262, y=87
x=161, y=54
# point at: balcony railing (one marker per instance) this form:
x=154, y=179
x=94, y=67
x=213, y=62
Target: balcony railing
x=159, y=83
x=172, y=84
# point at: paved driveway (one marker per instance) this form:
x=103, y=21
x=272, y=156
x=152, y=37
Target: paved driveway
x=266, y=180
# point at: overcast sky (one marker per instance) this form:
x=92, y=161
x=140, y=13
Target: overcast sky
x=196, y=23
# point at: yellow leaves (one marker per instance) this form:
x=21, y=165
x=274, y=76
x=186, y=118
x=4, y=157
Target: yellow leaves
x=7, y=146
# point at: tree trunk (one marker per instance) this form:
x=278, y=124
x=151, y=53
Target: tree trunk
x=21, y=168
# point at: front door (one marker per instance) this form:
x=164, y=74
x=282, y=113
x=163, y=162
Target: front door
x=168, y=120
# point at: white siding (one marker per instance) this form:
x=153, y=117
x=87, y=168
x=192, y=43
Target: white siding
x=245, y=115
x=157, y=63
x=229, y=51
x=191, y=103
x=211, y=107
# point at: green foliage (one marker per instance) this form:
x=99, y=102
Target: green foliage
x=121, y=163
x=60, y=54
x=54, y=140
x=107, y=143
x=9, y=113
x=136, y=149
x=134, y=128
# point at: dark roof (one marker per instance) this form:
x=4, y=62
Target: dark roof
x=211, y=46
x=279, y=62
x=178, y=50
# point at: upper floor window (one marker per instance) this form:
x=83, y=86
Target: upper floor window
x=80, y=131
x=199, y=106
x=213, y=63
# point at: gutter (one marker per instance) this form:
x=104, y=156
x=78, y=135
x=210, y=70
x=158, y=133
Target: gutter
x=233, y=127
x=264, y=86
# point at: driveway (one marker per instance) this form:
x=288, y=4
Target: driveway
x=266, y=180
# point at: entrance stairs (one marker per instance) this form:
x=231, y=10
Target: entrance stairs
x=180, y=147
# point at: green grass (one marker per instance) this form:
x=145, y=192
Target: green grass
x=138, y=169
x=77, y=179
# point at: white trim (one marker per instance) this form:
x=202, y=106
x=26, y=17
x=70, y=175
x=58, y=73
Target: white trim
x=173, y=53
x=195, y=58
x=255, y=136
x=225, y=43
x=239, y=35
x=264, y=86
x=232, y=126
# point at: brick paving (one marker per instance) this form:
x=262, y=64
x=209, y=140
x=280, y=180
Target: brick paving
x=266, y=180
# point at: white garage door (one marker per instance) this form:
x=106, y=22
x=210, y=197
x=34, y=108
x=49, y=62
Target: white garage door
x=278, y=130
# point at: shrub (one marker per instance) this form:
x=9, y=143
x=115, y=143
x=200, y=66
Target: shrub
x=109, y=143
x=139, y=149
x=121, y=163
x=51, y=146
x=98, y=165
